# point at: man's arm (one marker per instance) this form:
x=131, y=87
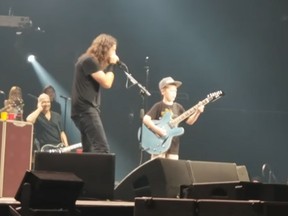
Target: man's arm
x=104, y=79
x=32, y=117
x=64, y=138
x=150, y=124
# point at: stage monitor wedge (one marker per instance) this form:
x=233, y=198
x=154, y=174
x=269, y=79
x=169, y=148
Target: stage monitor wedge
x=206, y=171
x=164, y=177
x=96, y=170
x=155, y=178
x=49, y=190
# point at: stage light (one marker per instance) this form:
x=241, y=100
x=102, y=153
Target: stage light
x=31, y=58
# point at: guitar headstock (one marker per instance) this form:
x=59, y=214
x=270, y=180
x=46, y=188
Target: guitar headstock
x=215, y=96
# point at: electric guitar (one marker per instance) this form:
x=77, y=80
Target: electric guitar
x=18, y=104
x=60, y=148
x=153, y=143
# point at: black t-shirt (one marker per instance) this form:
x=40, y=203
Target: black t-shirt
x=158, y=110
x=56, y=107
x=48, y=131
x=85, y=90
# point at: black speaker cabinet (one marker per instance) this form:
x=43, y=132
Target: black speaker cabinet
x=222, y=190
x=156, y=178
x=236, y=191
x=49, y=190
x=241, y=208
x=274, y=192
x=148, y=206
x=163, y=177
x=96, y=170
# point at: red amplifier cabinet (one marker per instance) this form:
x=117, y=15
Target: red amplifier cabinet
x=16, y=139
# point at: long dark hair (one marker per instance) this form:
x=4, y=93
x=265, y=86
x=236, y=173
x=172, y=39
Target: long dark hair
x=100, y=47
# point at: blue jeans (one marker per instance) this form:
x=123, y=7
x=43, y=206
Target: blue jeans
x=93, y=136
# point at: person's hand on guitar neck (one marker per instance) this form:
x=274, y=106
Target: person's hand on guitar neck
x=200, y=108
x=193, y=118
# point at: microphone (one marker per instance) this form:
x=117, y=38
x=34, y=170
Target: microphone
x=121, y=64
x=65, y=97
x=2, y=92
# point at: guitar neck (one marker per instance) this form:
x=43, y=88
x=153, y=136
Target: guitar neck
x=174, y=122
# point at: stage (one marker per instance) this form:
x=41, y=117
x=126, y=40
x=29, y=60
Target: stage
x=85, y=184
x=153, y=206
x=84, y=207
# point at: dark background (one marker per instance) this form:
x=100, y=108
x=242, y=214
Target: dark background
x=239, y=47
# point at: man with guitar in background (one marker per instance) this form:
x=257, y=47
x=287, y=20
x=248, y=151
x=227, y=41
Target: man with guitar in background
x=14, y=104
x=48, y=128
x=168, y=88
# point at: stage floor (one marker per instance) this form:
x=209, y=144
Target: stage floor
x=12, y=201
x=85, y=207
x=165, y=206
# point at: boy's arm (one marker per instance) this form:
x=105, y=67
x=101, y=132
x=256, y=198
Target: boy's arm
x=194, y=117
x=147, y=120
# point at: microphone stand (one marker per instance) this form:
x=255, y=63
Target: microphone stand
x=147, y=69
x=143, y=92
x=143, y=110
x=65, y=109
x=271, y=175
x=32, y=96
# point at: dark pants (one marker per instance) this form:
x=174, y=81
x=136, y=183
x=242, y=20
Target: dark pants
x=93, y=136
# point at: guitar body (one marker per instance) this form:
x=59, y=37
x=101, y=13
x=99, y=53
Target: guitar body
x=152, y=143
x=51, y=148
x=60, y=148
